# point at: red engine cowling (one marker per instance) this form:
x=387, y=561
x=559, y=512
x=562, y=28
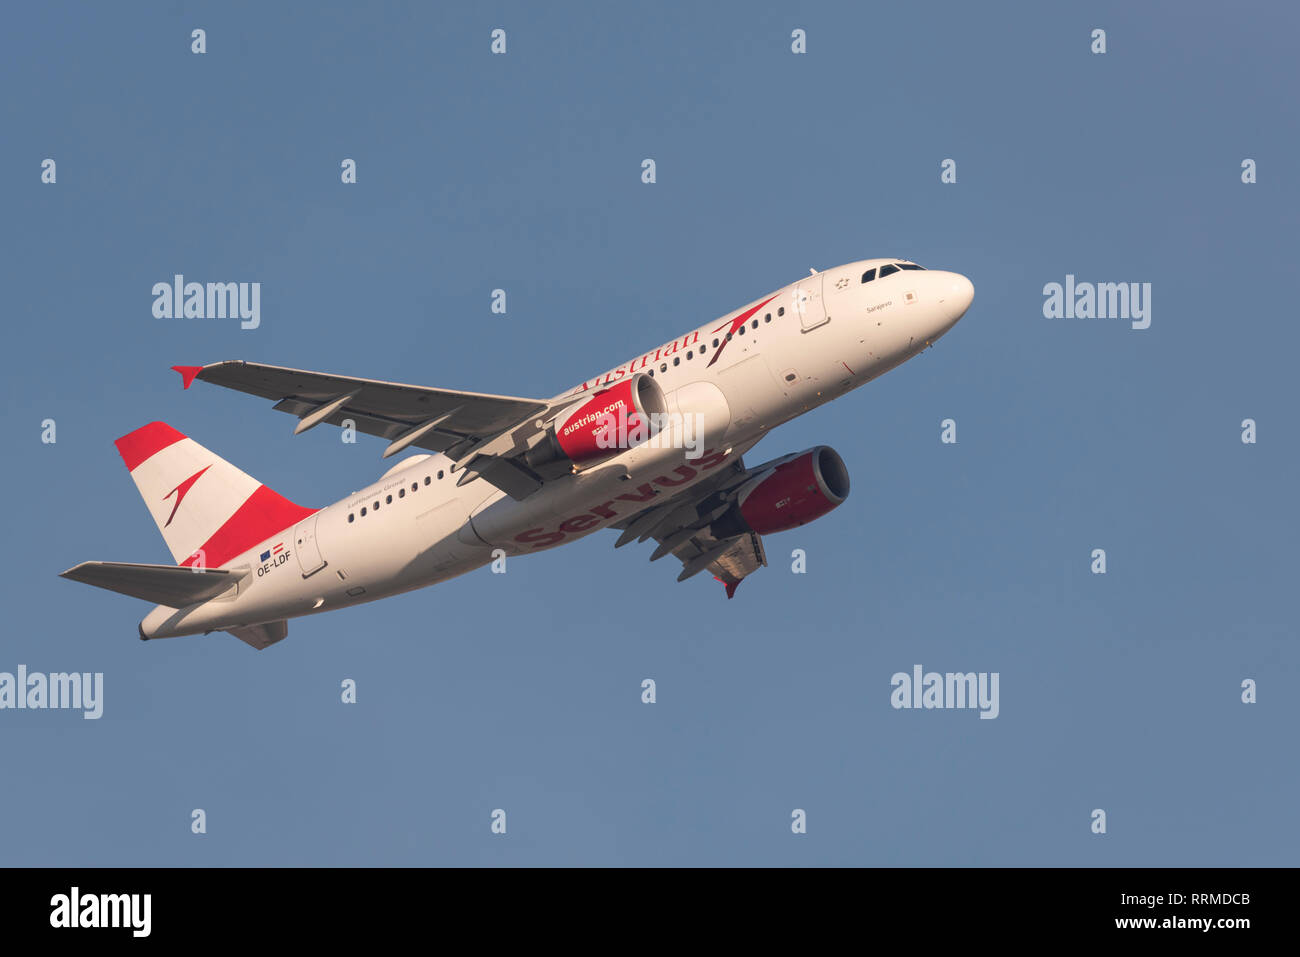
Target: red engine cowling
x=796, y=492
x=604, y=423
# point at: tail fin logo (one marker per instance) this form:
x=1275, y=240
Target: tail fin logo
x=181, y=491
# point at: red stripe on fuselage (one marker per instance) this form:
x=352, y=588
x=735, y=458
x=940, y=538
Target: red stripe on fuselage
x=736, y=323
x=263, y=514
x=145, y=442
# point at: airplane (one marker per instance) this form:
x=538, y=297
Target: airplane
x=652, y=448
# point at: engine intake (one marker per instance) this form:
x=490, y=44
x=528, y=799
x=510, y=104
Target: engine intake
x=793, y=494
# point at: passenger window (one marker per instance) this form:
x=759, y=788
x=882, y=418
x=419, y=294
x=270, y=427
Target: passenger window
x=415, y=486
x=351, y=518
x=703, y=348
x=376, y=506
x=754, y=324
x=439, y=475
x=781, y=311
x=677, y=360
x=389, y=500
x=690, y=355
x=768, y=317
x=401, y=493
x=741, y=330
x=887, y=271
x=426, y=480
x=715, y=343
x=869, y=275
x=363, y=511
x=663, y=367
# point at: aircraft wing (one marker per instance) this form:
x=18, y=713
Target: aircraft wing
x=681, y=527
x=480, y=432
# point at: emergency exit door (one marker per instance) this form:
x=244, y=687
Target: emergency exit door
x=808, y=303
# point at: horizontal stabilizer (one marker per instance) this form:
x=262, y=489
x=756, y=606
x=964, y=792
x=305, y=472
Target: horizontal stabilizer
x=175, y=586
x=260, y=636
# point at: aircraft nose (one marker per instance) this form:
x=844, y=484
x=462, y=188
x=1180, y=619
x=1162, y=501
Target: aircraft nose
x=955, y=293
x=960, y=294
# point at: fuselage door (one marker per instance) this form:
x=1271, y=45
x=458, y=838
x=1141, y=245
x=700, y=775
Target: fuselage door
x=807, y=303
x=309, y=556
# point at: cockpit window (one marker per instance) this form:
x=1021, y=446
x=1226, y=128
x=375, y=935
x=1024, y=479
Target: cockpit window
x=888, y=270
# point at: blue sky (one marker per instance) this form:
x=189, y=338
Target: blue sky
x=522, y=691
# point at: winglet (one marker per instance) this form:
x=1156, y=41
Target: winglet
x=730, y=586
x=187, y=374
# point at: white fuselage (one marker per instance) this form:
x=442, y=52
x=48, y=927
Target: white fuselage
x=803, y=345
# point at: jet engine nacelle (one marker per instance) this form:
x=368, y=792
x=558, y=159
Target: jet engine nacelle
x=793, y=493
x=602, y=424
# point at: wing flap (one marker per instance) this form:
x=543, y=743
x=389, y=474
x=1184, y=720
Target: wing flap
x=682, y=527
x=745, y=557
